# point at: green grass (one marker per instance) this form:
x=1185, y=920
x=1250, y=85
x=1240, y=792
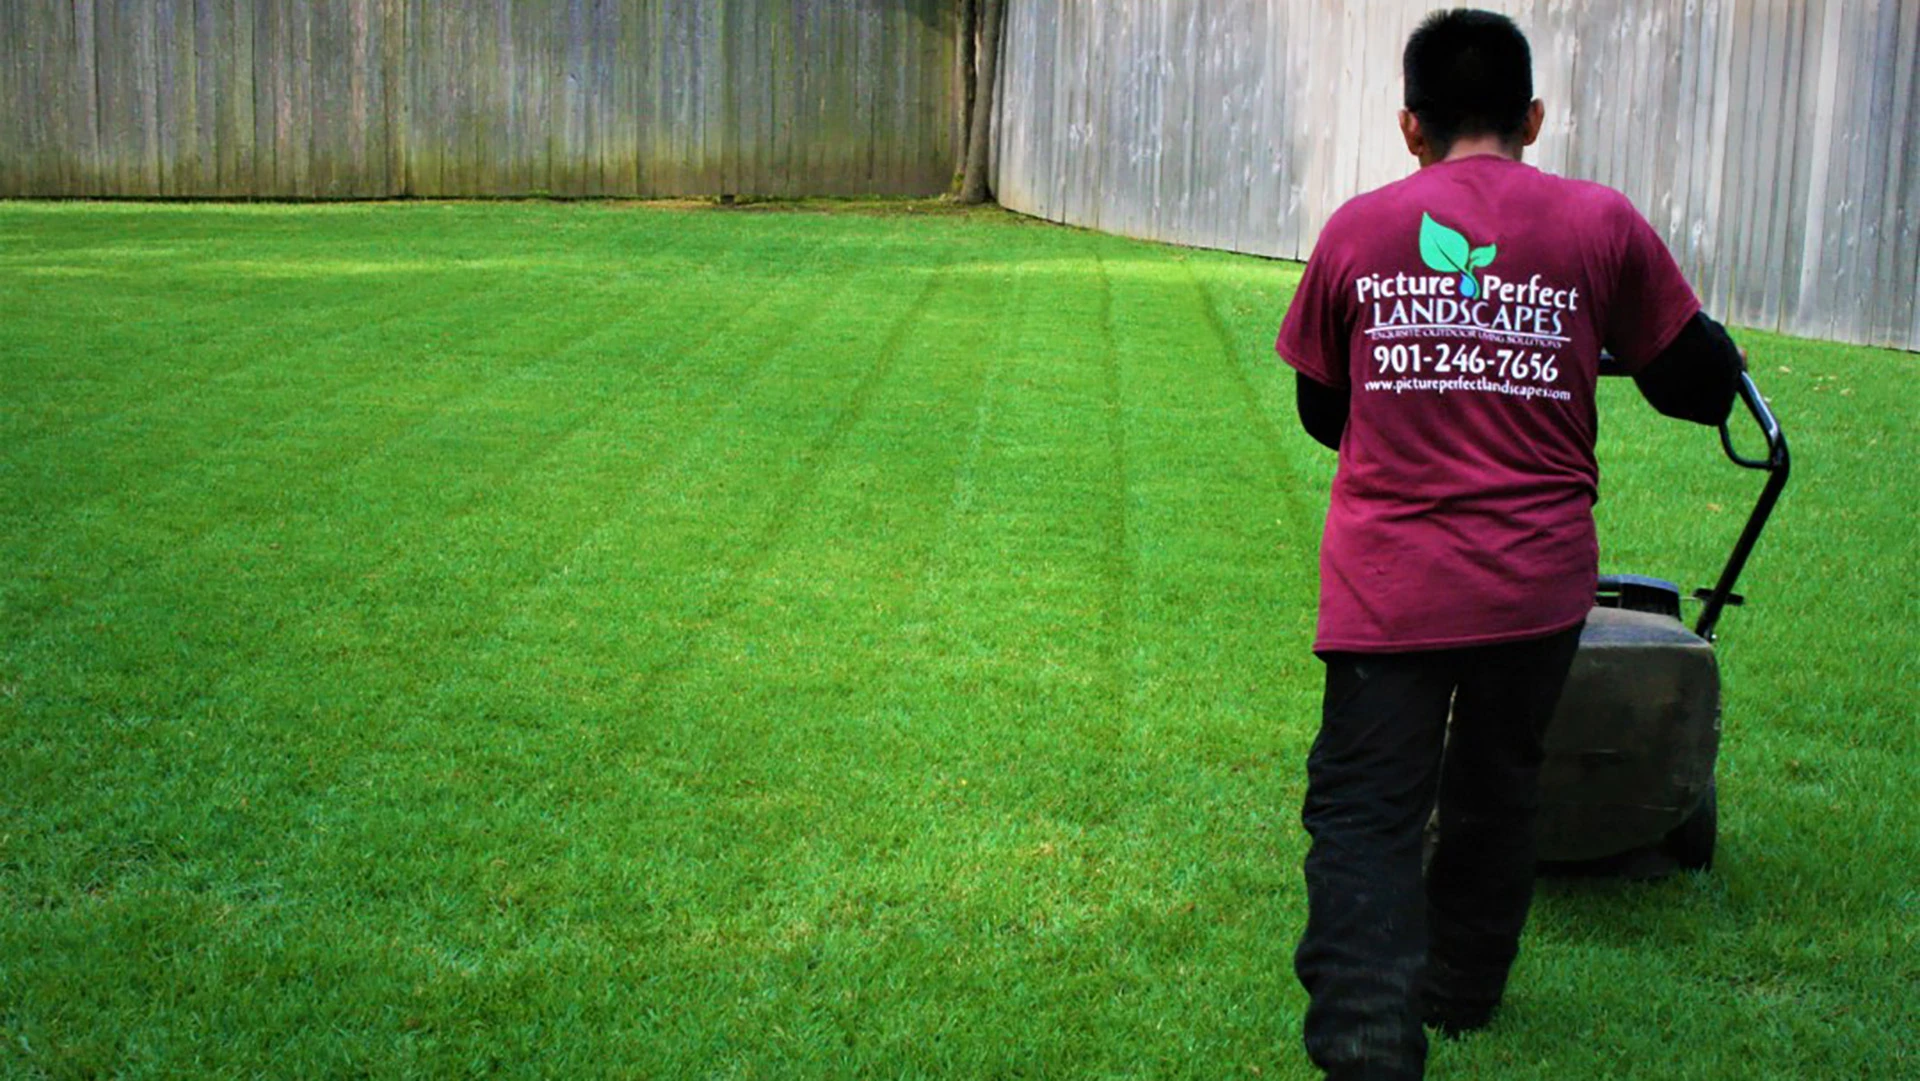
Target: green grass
x=598, y=640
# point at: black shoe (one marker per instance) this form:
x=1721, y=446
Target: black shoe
x=1456, y=1002
x=1454, y=1019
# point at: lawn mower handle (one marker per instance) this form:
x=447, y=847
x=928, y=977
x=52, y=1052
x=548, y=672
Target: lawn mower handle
x=1776, y=465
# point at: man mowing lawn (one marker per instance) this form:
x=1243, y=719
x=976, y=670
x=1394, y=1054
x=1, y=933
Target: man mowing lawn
x=1447, y=336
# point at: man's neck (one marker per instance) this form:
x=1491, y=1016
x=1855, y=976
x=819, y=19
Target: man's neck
x=1470, y=146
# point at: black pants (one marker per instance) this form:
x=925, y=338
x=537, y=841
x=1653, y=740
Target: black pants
x=1373, y=919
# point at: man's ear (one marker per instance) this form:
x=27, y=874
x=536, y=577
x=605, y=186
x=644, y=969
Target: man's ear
x=1410, y=131
x=1536, y=113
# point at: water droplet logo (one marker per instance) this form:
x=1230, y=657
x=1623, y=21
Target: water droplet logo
x=1448, y=250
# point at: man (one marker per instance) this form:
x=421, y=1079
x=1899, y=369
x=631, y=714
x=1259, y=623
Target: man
x=1447, y=336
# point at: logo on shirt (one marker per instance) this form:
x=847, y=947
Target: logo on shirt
x=1461, y=302
x=1448, y=250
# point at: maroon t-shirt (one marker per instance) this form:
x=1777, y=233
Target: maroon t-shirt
x=1466, y=307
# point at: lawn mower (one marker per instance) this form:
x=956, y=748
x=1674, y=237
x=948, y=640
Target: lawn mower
x=1627, y=787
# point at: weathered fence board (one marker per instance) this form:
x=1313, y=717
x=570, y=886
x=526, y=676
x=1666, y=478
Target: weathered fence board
x=1775, y=144
x=358, y=98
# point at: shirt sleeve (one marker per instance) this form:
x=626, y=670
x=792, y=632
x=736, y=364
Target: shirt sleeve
x=1317, y=329
x=1651, y=299
x=1696, y=377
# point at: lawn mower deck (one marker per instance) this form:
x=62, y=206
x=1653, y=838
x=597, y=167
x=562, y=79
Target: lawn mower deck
x=1627, y=787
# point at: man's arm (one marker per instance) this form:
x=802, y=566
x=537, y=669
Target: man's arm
x=1317, y=333
x=1694, y=378
x=1323, y=409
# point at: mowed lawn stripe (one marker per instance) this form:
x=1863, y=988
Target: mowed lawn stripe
x=80, y=369
x=505, y=462
x=499, y=756
x=815, y=604
x=1297, y=468
x=136, y=392
x=120, y=546
x=1268, y=482
x=788, y=749
x=336, y=859
x=399, y=261
x=409, y=382
x=404, y=271
x=1200, y=829
x=210, y=616
x=476, y=690
x=1221, y=585
x=214, y=498
x=1117, y=616
x=666, y=557
x=765, y=722
x=156, y=479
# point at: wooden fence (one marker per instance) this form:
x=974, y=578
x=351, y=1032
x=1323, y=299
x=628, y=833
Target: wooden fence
x=1774, y=143
x=358, y=98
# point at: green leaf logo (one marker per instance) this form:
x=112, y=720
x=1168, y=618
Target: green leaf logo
x=1447, y=250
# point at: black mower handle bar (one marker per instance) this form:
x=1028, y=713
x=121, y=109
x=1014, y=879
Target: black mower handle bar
x=1776, y=464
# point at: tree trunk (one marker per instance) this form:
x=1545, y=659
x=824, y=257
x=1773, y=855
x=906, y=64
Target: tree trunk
x=969, y=37
x=973, y=186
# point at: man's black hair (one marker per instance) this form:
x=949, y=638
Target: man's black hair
x=1468, y=72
